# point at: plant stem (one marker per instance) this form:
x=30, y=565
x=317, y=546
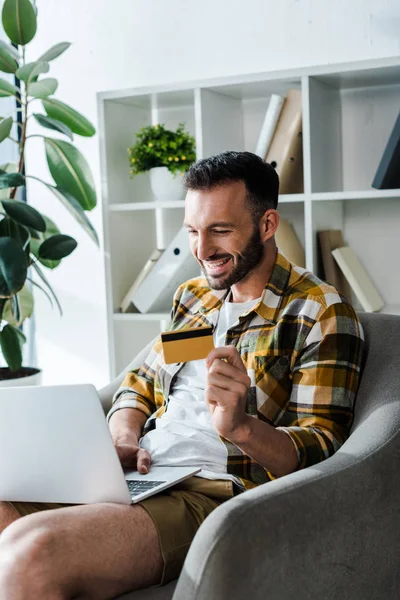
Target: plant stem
x=23, y=132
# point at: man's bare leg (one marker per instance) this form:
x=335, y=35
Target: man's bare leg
x=94, y=551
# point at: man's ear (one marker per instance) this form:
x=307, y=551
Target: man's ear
x=269, y=224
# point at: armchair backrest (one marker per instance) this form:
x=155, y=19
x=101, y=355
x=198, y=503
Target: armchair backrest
x=379, y=388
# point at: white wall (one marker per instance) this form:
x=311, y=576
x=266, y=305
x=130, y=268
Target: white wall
x=129, y=43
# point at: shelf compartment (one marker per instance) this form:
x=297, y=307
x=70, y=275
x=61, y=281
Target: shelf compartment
x=121, y=120
x=349, y=128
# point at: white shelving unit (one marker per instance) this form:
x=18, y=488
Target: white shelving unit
x=348, y=113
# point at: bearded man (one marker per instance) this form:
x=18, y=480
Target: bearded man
x=275, y=395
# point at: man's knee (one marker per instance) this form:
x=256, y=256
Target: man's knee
x=26, y=557
x=8, y=514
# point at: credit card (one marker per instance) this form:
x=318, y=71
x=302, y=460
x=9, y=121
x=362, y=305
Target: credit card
x=187, y=344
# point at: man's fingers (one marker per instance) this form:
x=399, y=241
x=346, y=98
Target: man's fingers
x=228, y=353
x=227, y=383
x=229, y=371
x=143, y=461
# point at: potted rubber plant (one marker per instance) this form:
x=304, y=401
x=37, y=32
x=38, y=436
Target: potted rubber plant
x=166, y=154
x=30, y=242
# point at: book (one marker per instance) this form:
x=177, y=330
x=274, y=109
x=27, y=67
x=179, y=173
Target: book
x=387, y=176
x=330, y=240
x=358, y=278
x=176, y=265
x=286, y=150
x=269, y=125
x=288, y=243
x=127, y=302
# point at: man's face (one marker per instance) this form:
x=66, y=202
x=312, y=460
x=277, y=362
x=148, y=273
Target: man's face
x=222, y=235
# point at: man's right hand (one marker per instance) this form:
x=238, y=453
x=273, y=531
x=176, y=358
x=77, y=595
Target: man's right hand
x=125, y=428
x=130, y=454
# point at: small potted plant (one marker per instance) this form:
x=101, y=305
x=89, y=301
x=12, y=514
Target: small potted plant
x=29, y=241
x=166, y=154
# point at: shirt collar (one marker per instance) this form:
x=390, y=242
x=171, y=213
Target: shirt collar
x=271, y=299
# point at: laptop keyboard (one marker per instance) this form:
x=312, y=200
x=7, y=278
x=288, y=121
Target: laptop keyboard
x=138, y=486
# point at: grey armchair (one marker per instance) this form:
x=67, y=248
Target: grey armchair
x=330, y=531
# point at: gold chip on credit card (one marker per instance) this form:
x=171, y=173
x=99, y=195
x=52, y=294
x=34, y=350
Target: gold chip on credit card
x=187, y=344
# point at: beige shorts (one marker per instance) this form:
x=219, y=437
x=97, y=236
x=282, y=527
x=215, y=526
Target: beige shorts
x=186, y=505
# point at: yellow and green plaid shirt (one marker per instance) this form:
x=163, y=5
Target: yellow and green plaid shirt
x=302, y=347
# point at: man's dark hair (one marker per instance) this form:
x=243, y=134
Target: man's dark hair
x=260, y=178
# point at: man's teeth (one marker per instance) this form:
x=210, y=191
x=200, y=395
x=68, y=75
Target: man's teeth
x=218, y=264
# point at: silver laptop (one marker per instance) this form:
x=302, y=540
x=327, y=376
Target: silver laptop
x=55, y=446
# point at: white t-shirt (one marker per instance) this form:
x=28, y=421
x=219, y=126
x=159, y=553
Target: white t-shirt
x=184, y=434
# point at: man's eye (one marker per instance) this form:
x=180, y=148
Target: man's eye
x=221, y=231
x=191, y=231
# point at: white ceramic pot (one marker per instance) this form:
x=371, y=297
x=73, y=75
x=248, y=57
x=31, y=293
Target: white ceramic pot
x=165, y=185
x=35, y=378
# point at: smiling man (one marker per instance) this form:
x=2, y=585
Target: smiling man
x=275, y=395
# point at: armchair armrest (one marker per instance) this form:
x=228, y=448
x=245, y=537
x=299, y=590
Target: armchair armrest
x=329, y=531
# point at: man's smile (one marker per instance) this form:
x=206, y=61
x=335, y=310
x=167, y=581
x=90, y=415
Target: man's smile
x=216, y=267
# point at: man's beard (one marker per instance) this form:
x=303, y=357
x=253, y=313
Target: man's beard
x=249, y=259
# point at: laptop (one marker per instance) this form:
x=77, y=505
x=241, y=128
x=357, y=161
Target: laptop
x=55, y=446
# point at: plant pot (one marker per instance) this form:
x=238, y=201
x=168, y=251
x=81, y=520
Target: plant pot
x=165, y=185
x=25, y=376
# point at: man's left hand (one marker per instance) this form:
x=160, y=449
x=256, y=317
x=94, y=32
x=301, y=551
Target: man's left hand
x=226, y=391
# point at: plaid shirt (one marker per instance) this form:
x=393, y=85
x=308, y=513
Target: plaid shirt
x=302, y=347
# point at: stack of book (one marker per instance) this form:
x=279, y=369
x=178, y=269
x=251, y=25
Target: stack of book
x=343, y=269
x=280, y=141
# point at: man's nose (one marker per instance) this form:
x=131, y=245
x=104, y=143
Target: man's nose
x=205, y=248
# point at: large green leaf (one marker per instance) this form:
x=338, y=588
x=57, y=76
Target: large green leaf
x=26, y=303
x=43, y=88
x=19, y=21
x=70, y=171
x=13, y=267
x=24, y=214
x=70, y=117
x=9, y=228
x=8, y=180
x=55, y=51
x=8, y=63
x=51, y=229
x=73, y=206
x=15, y=307
x=7, y=168
x=5, y=128
x=7, y=89
x=57, y=247
x=31, y=70
x=12, y=50
x=11, y=346
x=53, y=124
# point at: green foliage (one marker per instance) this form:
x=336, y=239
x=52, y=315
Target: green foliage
x=28, y=238
x=157, y=146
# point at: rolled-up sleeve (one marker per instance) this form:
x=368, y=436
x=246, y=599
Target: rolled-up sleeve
x=325, y=375
x=137, y=388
